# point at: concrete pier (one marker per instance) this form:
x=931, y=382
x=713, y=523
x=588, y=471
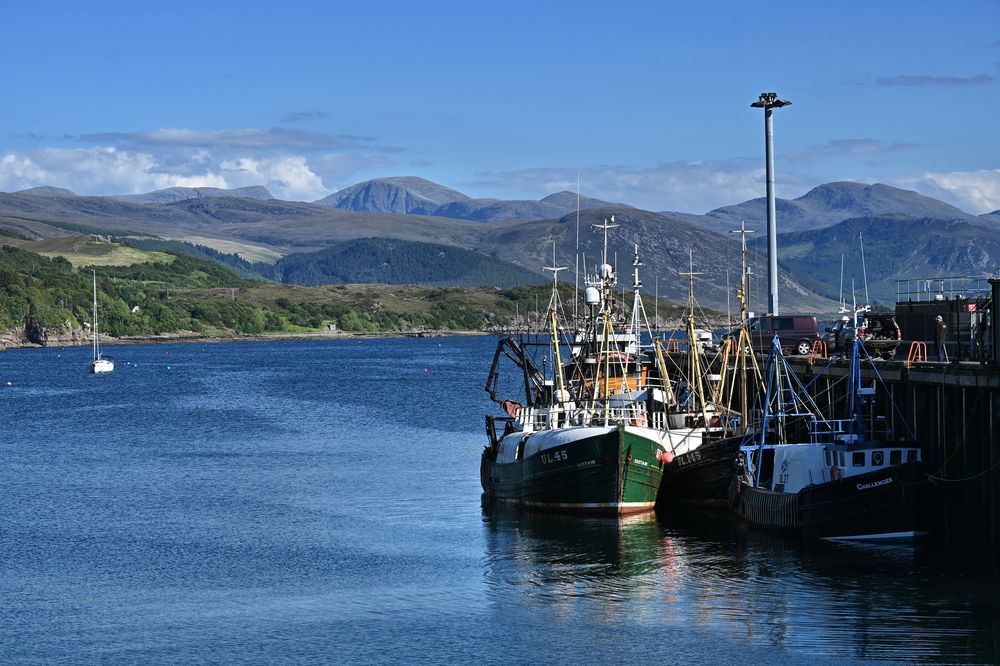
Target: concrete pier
x=952, y=410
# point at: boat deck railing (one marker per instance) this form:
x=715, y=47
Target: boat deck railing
x=941, y=288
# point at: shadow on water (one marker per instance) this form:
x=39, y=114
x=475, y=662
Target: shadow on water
x=706, y=571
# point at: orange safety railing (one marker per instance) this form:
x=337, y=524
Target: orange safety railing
x=818, y=351
x=917, y=353
x=673, y=345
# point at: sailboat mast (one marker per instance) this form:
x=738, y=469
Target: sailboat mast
x=96, y=350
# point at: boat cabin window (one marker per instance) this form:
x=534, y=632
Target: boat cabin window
x=840, y=455
x=829, y=458
x=858, y=459
x=878, y=458
x=895, y=457
x=911, y=455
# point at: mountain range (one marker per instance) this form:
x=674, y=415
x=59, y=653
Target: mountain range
x=905, y=233
x=409, y=195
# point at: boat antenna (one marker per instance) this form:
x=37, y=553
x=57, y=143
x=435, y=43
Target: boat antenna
x=854, y=304
x=864, y=270
x=729, y=309
x=656, y=307
x=842, y=303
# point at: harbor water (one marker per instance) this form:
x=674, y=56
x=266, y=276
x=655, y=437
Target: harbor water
x=319, y=502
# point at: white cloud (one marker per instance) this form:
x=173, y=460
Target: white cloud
x=694, y=187
x=106, y=170
x=287, y=177
x=293, y=164
x=975, y=192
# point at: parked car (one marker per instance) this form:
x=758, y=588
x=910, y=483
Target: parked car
x=879, y=332
x=797, y=333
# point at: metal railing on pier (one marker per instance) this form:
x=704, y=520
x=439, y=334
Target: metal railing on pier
x=941, y=288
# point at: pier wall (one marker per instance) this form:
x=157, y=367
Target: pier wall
x=952, y=410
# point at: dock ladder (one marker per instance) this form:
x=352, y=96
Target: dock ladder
x=917, y=353
x=818, y=351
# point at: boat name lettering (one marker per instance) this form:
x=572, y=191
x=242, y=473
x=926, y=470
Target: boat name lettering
x=688, y=458
x=643, y=463
x=554, y=457
x=586, y=463
x=874, y=484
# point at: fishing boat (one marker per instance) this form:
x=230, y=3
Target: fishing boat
x=594, y=434
x=843, y=479
x=100, y=363
x=702, y=476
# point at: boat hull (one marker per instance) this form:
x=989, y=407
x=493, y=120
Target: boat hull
x=616, y=471
x=703, y=476
x=877, y=505
x=102, y=365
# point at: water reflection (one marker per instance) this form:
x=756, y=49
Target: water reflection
x=708, y=572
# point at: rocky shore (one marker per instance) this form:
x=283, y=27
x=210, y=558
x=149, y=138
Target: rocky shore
x=16, y=339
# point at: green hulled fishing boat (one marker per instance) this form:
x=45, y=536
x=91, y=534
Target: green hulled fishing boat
x=595, y=432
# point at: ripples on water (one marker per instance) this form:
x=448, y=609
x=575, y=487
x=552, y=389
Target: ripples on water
x=320, y=502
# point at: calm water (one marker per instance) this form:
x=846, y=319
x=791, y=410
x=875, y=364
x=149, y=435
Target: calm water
x=320, y=502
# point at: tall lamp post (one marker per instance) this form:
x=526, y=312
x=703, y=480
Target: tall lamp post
x=769, y=101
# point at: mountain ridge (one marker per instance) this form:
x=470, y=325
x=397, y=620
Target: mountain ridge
x=409, y=195
x=824, y=206
x=266, y=229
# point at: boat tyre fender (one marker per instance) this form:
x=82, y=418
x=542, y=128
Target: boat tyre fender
x=513, y=408
x=836, y=474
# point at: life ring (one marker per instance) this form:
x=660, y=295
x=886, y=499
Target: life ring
x=513, y=408
x=836, y=474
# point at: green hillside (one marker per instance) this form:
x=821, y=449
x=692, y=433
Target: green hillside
x=393, y=261
x=47, y=298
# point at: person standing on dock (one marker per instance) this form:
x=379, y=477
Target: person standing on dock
x=940, y=335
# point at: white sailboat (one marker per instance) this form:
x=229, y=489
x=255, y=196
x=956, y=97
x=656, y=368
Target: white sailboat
x=100, y=364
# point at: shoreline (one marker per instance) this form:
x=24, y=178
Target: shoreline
x=11, y=342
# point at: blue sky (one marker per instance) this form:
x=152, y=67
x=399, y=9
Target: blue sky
x=649, y=102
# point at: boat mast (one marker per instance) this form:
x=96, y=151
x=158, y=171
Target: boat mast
x=576, y=278
x=607, y=278
x=97, y=353
x=694, y=360
x=636, y=325
x=557, y=368
x=864, y=270
x=743, y=340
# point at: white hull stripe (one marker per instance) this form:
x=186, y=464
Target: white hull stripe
x=879, y=537
x=583, y=505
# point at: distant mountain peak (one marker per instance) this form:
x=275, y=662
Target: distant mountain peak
x=826, y=205
x=400, y=195
x=173, y=194
x=567, y=199
x=47, y=191
x=411, y=195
